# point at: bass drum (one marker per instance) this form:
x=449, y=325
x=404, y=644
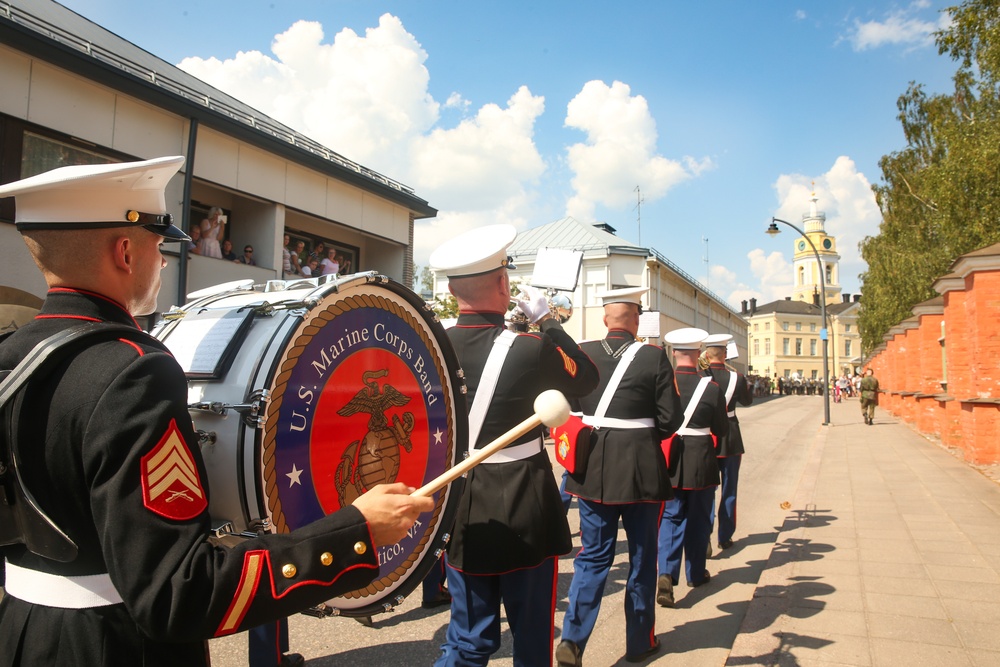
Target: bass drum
x=307, y=394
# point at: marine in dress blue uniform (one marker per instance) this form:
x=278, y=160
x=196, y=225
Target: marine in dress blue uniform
x=107, y=447
x=510, y=526
x=730, y=448
x=685, y=528
x=625, y=479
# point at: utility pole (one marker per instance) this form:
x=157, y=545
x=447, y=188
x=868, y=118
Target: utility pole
x=638, y=212
x=705, y=259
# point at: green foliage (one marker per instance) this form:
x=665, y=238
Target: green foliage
x=940, y=195
x=445, y=308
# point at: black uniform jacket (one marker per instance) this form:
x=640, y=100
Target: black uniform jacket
x=732, y=443
x=510, y=515
x=697, y=467
x=98, y=437
x=627, y=465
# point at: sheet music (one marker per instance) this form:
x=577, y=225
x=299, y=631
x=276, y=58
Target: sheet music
x=200, y=340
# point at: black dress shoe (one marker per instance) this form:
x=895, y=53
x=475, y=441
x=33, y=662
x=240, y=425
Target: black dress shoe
x=665, y=591
x=707, y=578
x=651, y=651
x=292, y=660
x=725, y=545
x=568, y=654
x=439, y=600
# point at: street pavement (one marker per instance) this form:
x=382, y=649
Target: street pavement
x=856, y=545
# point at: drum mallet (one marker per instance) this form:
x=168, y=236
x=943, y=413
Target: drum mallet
x=551, y=409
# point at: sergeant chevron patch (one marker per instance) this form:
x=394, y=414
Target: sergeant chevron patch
x=171, y=486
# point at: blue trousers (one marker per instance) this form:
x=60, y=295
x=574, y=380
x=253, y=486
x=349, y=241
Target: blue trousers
x=729, y=467
x=566, y=498
x=599, y=534
x=685, y=529
x=433, y=583
x=529, y=598
x=266, y=643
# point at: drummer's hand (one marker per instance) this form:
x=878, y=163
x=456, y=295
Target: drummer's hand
x=391, y=511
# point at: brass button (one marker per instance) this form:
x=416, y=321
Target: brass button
x=289, y=571
x=326, y=558
x=360, y=548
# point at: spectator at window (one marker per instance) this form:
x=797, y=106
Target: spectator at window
x=345, y=264
x=212, y=229
x=227, y=251
x=297, y=258
x=247, y=257
x=330, y=265
x=311, y=267
x=193, y=246
x=286, y=258
x=318, y=252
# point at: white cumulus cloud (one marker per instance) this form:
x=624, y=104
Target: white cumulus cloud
x=364, y=97
x=902, y=26
x=620, y=151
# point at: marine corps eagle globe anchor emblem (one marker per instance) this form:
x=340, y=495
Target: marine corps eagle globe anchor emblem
x=374, y=459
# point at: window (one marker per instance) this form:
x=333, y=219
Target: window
x=785, y=345
x=847, y=348
x=798, y=326
x=755, y=326
x=767, y=346
x=788, y=373
x=802, y=275
x=812, y=347
x=798, y=346
x=847, y=328
x=829, y=274
x=767, y=326
x=814, y=375
x=756, y=348
x=784, y=326
x=812, y=327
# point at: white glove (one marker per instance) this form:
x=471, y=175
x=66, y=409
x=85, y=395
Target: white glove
x=533, y=303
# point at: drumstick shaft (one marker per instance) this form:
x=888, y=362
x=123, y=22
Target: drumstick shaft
x=478, y=457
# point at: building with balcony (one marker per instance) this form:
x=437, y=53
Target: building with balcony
x=75, y=93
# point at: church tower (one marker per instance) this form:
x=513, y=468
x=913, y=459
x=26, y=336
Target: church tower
x=807, y=281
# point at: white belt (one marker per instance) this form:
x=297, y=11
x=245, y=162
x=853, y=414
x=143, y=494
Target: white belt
x=731, y=413
x=689, y=430
x=53, y=590
x=515, y=453
x=614, y=422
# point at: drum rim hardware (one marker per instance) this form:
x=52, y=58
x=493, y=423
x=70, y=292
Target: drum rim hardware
x=252, y=410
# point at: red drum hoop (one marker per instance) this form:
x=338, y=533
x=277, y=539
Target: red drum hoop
x=341, y=386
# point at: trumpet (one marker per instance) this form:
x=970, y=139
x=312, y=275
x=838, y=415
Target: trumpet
x=560, y=307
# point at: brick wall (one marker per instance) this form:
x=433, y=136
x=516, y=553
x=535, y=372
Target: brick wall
x=966, y=413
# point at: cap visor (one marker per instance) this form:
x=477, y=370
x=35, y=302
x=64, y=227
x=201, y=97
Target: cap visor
x=168, y=232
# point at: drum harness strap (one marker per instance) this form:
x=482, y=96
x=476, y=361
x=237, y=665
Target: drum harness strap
x=22, y=520
x=598, y=420
x=484, y=396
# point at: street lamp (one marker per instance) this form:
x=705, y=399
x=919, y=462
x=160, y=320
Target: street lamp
x=773, y=230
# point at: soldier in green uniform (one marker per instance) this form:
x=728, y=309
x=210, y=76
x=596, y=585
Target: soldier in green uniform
x=869, y=396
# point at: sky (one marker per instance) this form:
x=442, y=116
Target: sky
x=684, y=125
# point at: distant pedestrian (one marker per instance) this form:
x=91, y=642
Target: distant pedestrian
x=869, y=396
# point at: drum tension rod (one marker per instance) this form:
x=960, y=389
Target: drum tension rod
x=252, y=411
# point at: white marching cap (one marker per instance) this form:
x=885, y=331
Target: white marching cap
x=623, y=295
x=477, y=251
x=93, y=196
x=688, y=338
x=718, y=340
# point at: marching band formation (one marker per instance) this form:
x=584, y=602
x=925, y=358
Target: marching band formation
x=111, y=551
